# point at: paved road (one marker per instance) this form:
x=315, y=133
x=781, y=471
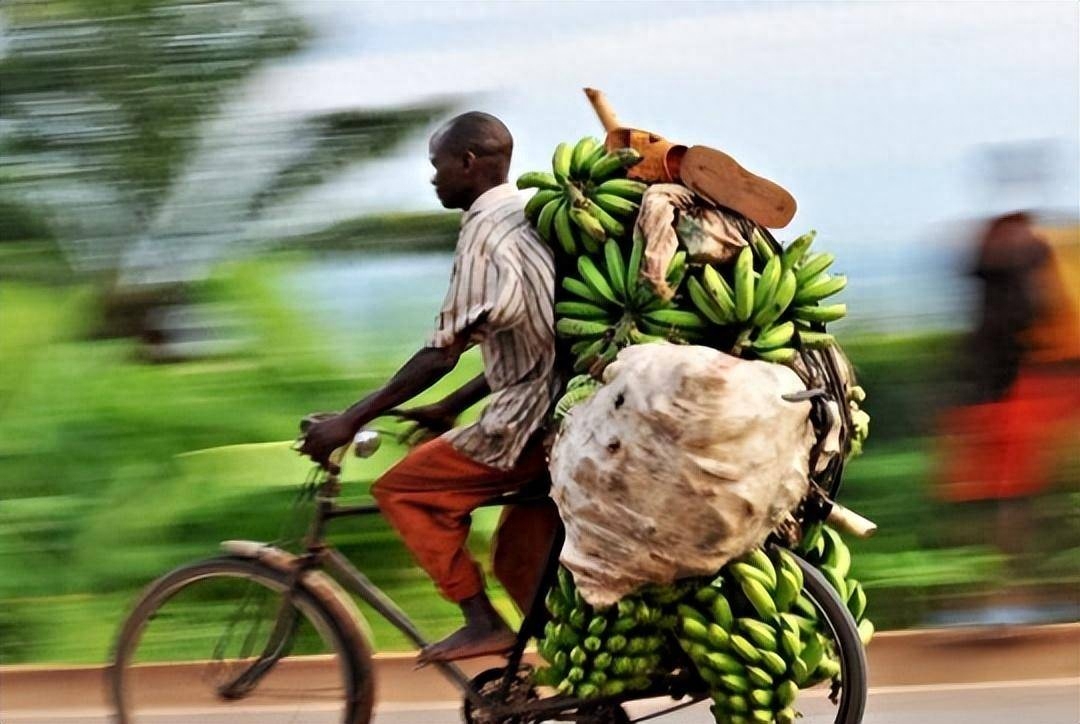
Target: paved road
x=1053, y=701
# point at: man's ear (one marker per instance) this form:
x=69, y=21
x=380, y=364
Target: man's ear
x=468, y=160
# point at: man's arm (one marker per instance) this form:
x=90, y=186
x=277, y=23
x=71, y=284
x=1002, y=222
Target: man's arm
x=423, y=370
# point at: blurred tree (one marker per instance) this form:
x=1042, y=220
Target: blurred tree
x=106, y=115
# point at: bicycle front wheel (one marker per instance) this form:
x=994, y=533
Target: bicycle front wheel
x=228, y=640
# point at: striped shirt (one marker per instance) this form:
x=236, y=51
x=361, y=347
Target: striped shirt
x=502, y=288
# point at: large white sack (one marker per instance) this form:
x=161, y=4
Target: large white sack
x=684, y=459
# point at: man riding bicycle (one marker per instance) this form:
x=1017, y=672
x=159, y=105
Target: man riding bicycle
x=500, y=297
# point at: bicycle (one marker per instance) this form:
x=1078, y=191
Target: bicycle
x=291, y=621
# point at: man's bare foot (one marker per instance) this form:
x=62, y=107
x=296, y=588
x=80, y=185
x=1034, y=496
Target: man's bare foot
x=466, y=643
x=484, y=633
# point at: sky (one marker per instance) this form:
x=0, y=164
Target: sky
x=876, y=116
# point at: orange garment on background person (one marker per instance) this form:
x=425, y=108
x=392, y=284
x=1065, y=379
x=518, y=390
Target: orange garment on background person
x=1054, y=336
x=1006, y=448
x=429, y=497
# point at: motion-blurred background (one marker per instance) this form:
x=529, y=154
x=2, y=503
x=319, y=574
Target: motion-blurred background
x=215, y=217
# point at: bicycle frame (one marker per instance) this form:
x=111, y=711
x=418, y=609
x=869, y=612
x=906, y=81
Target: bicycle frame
x=327, y=558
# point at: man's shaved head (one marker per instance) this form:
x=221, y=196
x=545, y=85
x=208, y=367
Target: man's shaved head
x=471, y=154
x=481, y=133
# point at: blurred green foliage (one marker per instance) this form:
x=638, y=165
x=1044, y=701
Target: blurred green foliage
x=113, y=470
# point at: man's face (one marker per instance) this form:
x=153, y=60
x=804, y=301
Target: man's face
x=452, y=180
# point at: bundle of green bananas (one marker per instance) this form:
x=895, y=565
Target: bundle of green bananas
x=599, y=653
x=823, y=547
x=747, y=641
x=773, y=298
x=586, y=197
x=611, y=307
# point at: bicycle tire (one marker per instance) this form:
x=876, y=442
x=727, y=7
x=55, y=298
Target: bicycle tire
x=845, y=634
x=342, y=637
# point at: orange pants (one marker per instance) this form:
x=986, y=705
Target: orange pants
x=429, y=497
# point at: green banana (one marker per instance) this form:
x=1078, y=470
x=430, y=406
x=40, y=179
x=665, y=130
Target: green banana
x=787, y=590
x=676, y=269
x=721, y=613
x=579, y=328
x=616, y=205
x=689, y=612
x=611, y=225
x=724, y=663
x=588, y=224
x=616, y=268
x=583, y=290
x=820, y=288
x=737, y=704
x=563, y=231
x=560, y=161
x=780, y=355
x=828, y=668
x=759, y=676
x=759, y=598
x=679, y=318
x=774, y=337
x=856, y=601
x=612, y=163
x=790, y=644
x=829, y=313
x=539, y=180
x=626, y=188
x=759, y=560
x=761, y=245
x=812, y=266
x=545, y=222
x=633, y=267
x=837, y=554
x=815, y=340
x=762, y=697
x=866, y=631
x=695, y=630
x=539, y=200
x=759, y=632
x=582, y=150
x=581, y=310
x=786, y=692
x=719, y=291
x=774, y=662
x=787, y=715
x=787, y=563
x=586, y=167
x=743, y=571
x=767, y=285
x=835, y=580
x=746, y=650
x=797, y=249
x=639, y=337
x=705, y=303
x=785, y=292
x=597, y=626
x=718, y=637
x=595, y=279
x=744, y=285
x=736, y=683
x=706, y=594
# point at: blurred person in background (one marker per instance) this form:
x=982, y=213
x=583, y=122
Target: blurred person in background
x=501, y=297
x=1022, y=370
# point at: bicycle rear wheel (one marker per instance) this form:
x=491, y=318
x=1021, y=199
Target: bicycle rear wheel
x=220, y=641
